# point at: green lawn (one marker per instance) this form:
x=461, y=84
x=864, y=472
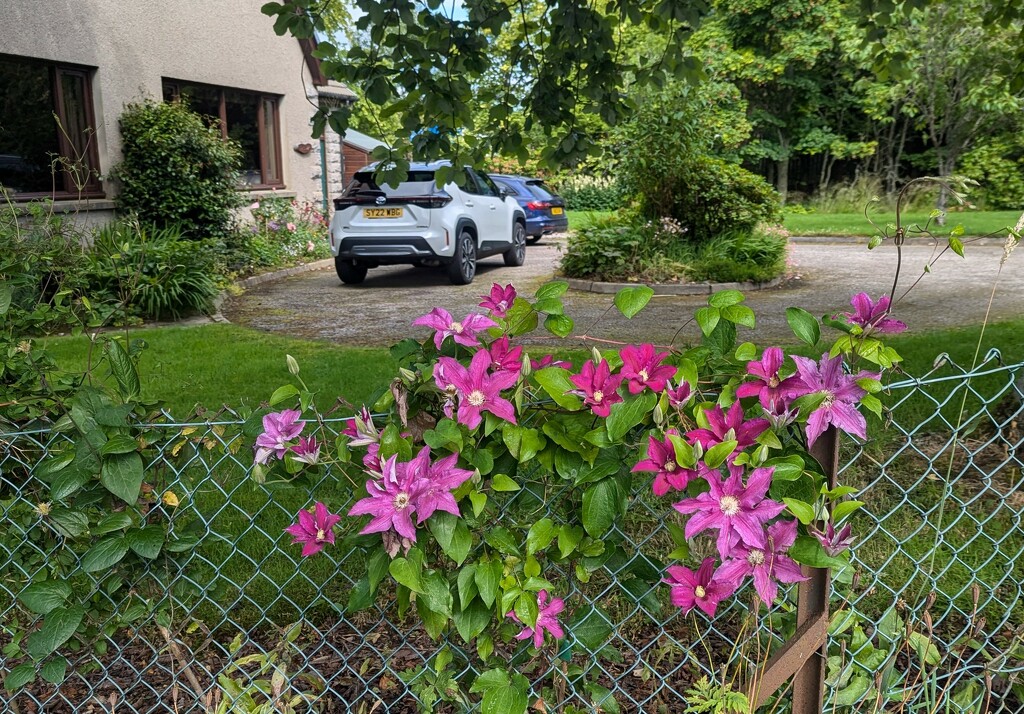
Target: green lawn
x=975, y=223
x=578, y=219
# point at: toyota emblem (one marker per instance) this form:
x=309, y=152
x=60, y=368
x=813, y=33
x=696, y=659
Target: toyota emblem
x=381, y=200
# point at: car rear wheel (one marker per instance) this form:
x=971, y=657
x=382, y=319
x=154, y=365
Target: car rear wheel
x=350, y=272
x=462, y=269
x=516, y=255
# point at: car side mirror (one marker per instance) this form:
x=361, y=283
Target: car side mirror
x=503, y=193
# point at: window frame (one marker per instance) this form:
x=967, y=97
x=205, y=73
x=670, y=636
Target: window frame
x=93, y=187
x=174, y=86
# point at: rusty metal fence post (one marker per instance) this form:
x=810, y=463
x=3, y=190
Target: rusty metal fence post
x=803, y=657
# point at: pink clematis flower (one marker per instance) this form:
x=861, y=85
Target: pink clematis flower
x=479, y=391
x=307, y=450
x=769, y=565
x=832, y=541
x=360, y=429
x=278, y=429
x=464, y=333
x=371, y=460
x=661, y=459
x=547, y=619
x=391, y=501
x=598, y=387
x=704, y=588
x=679, y=396
x=873, y=316
x=499, y=300
x=314, y=529
x=770, y=389
x=434, y=483
x=738, y=512
x=728, y=427
x=841, y=393
x=642, y=368
x=549, y=361
x=505, y=359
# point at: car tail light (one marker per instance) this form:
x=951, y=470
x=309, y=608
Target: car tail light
x=538, y=205
x=437, y=201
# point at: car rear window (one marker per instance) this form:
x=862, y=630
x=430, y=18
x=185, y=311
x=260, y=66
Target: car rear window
x=540, y=189
x=417, y=183
x=508, y=185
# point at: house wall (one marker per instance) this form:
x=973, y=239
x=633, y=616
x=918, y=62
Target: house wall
x=135, y=44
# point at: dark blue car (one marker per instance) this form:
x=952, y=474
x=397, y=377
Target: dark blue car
x=545, y=210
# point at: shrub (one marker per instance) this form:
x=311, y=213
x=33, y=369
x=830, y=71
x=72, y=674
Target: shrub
x=177, y=170
x=591, y=193
x=999, y=167
x=742, y=256
x=283, y=232
x=628, y=247
x=151, y=272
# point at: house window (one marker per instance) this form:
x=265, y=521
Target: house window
x=250, y=118
x=47, y=141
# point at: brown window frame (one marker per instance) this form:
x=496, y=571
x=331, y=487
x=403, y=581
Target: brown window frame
x=69, y=191
x=173, y=87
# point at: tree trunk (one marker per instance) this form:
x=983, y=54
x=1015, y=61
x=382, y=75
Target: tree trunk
x=782, y=178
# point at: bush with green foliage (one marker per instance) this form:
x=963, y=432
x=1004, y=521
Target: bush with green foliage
x=283, y=232
x=591, y=193
x=998, y=165
x=177, y=170
x=152, y=273
x=742, y=256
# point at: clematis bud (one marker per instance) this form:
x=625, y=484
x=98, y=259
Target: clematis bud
x=293, y=366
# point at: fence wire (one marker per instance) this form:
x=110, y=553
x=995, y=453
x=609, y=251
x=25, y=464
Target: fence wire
x=935, y=565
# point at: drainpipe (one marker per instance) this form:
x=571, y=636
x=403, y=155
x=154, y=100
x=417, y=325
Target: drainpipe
x=323, y=174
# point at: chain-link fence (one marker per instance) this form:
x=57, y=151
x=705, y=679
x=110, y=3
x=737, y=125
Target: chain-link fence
x=930, y=618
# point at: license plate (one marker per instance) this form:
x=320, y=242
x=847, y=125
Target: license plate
x=556, y=211
x=382, y=212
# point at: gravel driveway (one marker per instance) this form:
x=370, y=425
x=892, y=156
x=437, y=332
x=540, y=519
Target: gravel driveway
x=316, y=305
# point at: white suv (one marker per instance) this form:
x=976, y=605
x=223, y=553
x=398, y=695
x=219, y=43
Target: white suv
x=416, y=222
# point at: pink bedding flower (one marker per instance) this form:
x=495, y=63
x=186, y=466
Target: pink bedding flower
x=873, y=316
x=770, y=389
x=464, y=332
x=768, y=565
x=278, y=429
x=841, y=393
x=728, y=427
x=314, y=529
x=704, y=588
x=479, y=391
x=499, y=300
x=547, y=619
x=642, y=368
x=598, y=386
x=391, y=501
x=738, y=512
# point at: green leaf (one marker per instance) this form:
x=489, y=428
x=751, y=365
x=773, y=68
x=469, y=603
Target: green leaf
x=786, y=468
x=549, y=306
x=628, y=413
x=123, y=369
x=956, y=245
x=746, y=352
x=568, y=538
x=803, y=324
x=122, y=476
x=6, y=293
x=521, y=318
x=553, y=289
x=54, y=670
x=407, y=573
x=726, y=298
x=522, y=442
x=42, y=598
x=58, y=627
x=105, y=554
x=739, y=315
x=926, y=650
x=111, y=523
x=591, y=627
x=502, y=540
x=555, y=381
x=630, y=301
x=471, y=620
x=808, y=551
x=68, y=523
x=433, y=622
x=717, y=454
x=540, y=535
x=708, y=318
x=842, y=510
x=119, y=444
x=853, y=692
x=502, y=695
x=288, y=391
x=146, y=542
x=559, y=325
x=452, y=535
x=488, y=574
x=803, y=511
x=466, y=582
x=600, y=505
x=19, y=676
x=502, y=483
x=437, y=594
